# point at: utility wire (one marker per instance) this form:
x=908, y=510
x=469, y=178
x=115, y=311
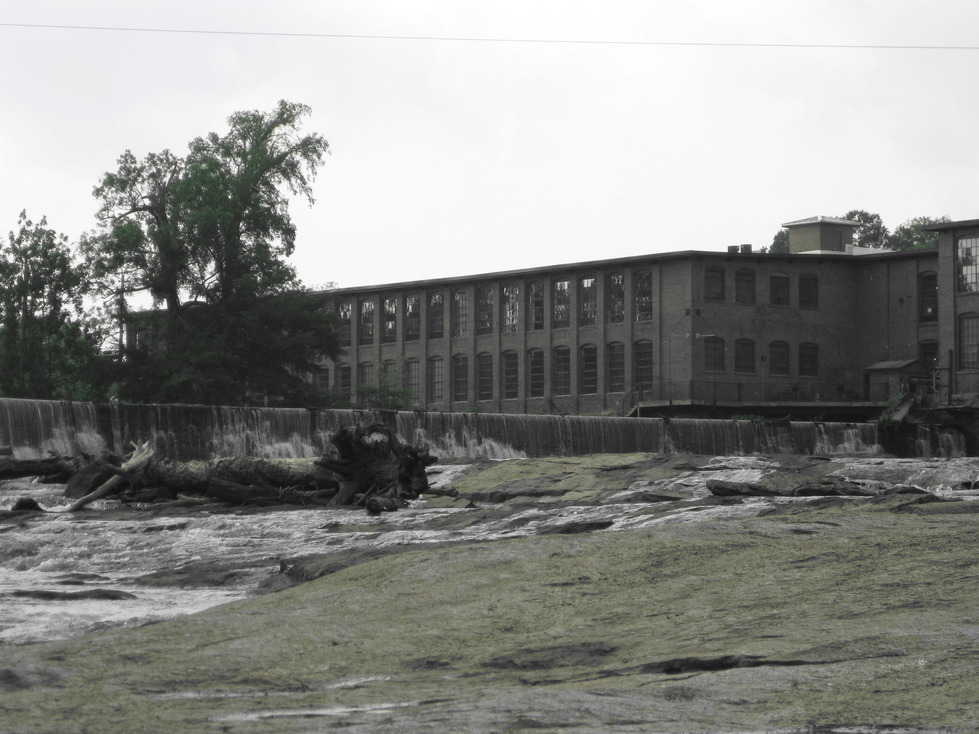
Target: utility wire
x=476, y=39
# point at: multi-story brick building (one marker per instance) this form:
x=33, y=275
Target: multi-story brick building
x=828, y=329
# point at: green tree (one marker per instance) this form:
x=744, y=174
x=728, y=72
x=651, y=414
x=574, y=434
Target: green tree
x=780, y=243
x=49, y=349
x=872, y=232
x=207, y=236
x=912, y=236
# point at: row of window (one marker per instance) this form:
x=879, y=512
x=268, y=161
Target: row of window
x=778, y=357
x=746, y=289
x=509, y=373
x=508, y=301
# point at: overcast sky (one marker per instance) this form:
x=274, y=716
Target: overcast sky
x=669, y=125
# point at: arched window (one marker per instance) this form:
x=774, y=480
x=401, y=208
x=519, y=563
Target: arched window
x=642, y=295
x=344, y=311
x=614, y=298
x=460, y=378
x=744, y=356
x=484, y=376
x=413, y=327
x=642, y=369
x=410, y=378
x=778, y=358
x=535, y=373
x=808, y=291
x=459, y=313
x=713, y=354
x=344, y=385
x=366, y=334
x=389, y=325
x=484, y=310
x=744, y=287
x=561, y=371
x=535, y=305
x=969, y=341
x=436, y=380
x=510, y=307
x=436, y=315
x=365, y=374
x=714, y=284
x=588, y=301
x=808, y=360
x=511, y=375
x=778, y=289
x=588, y=369
x=561, y=304
x=615, y=367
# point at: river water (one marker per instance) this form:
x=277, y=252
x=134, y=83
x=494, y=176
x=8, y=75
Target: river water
x=112, y=548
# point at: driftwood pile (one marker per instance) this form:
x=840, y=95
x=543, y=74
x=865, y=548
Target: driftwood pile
x=369, y=467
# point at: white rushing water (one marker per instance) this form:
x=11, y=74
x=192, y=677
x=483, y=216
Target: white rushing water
x=92, y=549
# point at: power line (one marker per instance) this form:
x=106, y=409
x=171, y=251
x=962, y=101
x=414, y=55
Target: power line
x=477, y=39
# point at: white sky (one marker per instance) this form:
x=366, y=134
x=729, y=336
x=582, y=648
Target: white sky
x=461, y=157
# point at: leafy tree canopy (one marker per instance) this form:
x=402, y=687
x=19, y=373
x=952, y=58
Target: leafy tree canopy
x=872, y=232
x=208, y=235
x=912, y=236
x=780, y=242
x=49, y=349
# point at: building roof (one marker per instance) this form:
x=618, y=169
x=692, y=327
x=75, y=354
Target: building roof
x=951, y=225
x=821, y=220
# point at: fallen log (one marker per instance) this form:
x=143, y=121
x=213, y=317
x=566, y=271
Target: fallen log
x=54, y=466
x=233, y=493
x=136, y=462
x=372, y=461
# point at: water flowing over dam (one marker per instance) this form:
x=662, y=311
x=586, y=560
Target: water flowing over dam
x=35, y=428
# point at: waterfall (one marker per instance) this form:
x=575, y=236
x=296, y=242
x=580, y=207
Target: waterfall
x=33, y=428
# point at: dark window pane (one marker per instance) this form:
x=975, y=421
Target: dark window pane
x=713, y=354
x=808, y=360
x=588, y=370
x=744, y=355
x=778, y=290
x=643, y=358
x=808, y=292
x=460, y=378
x=615, y=367
x=484, y=376
x=778, y=358
x=535, y=373
x=511, y=376
x=561, y=371
x=714, y=284
x=744, y=287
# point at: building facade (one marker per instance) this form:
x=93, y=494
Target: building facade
x=822, y=328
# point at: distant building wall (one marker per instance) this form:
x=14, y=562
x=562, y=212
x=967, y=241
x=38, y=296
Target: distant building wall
x=596, y=337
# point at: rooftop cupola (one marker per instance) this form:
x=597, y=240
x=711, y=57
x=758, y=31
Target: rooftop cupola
x=821, y=234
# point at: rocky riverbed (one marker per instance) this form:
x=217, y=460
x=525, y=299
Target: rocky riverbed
x=601, y=593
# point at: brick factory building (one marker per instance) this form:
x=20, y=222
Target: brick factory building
x=827, y=330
